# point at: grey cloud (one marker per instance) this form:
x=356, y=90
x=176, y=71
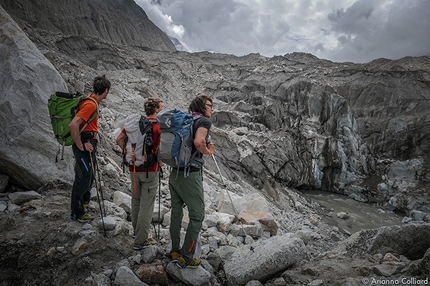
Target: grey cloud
x=373, y=29
x=354, y=19
x=361, y=31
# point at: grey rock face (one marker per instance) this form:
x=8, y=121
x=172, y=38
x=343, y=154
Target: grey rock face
x=27, y=79
x=320, y=135
x=4, y=180
x=412, y=243
x=425, y=263
x=282, y=122
x=114, y=21
x=292, y=120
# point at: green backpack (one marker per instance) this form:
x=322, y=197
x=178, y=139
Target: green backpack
x=62, y=109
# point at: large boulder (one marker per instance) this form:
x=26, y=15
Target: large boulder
x=263, y=259
x=411, y=241
x=27, y=79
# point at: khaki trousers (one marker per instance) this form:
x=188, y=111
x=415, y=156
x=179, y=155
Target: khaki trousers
x=142, y=203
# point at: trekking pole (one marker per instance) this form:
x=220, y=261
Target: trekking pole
x=95, y=171
x=228, y=193
x=100, y=187
x=159, y=200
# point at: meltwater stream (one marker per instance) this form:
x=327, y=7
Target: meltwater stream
x=361, y=215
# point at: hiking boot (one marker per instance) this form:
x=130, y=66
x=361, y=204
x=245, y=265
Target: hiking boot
x=147, y=243
x=194, y=263
x=175, y=256
x=83, y=218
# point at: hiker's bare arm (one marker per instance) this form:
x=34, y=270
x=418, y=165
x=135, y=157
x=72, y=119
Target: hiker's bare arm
x=120, y=140
x=74, y=132
x=200, y=142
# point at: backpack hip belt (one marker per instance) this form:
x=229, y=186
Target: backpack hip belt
x=90, y=135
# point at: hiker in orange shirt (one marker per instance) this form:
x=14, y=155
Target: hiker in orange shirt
x=85, y=147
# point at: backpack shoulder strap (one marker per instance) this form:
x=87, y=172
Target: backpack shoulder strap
x=144, y=125
x=93, y=115
x=97, y=108
x=193, y=129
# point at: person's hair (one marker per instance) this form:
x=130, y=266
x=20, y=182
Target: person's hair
x=151, y=104
x=100, y=84
x=199, y=104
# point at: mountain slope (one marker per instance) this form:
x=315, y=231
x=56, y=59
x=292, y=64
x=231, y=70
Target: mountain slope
x=116, y=21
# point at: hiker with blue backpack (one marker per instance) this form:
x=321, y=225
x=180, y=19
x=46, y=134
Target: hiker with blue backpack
x=83, y=130
x=186, y=185
x=139, y=140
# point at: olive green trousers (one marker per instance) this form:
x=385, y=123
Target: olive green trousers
x=188, y=191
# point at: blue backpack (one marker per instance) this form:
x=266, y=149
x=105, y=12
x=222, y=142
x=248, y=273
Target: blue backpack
x=177, y=139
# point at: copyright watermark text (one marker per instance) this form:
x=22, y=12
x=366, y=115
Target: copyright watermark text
x=398, y=281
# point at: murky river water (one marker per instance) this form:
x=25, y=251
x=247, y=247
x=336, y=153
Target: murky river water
x=361, y=215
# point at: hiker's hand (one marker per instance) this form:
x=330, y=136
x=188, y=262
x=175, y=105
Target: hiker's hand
x=211, y=148
x=88, y=147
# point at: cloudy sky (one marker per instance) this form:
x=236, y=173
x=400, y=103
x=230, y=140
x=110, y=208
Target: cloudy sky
x=338, y=30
